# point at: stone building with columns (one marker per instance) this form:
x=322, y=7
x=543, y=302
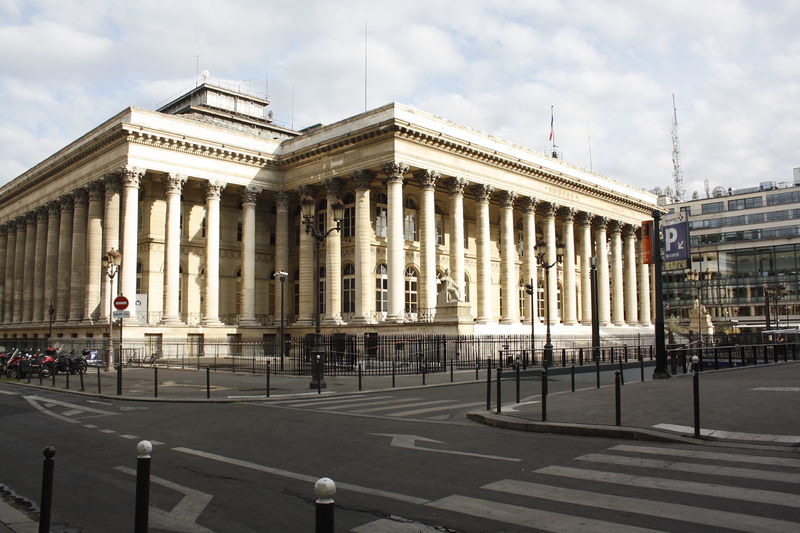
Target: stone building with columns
x=202, y=198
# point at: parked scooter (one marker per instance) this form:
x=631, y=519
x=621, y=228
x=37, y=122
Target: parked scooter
x=17, y=365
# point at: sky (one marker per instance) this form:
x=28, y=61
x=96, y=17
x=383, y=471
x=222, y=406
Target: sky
x=609, y=70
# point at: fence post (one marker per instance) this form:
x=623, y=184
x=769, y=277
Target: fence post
x=324, y=490
x=544, y=395
x=268, y=376
x=155, y=382
x=208, y=382
x=618, y=399
x=499, y=395
x=99, y=387
x=47, y=489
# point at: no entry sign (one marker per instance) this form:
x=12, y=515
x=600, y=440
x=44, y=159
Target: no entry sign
x=121, y=303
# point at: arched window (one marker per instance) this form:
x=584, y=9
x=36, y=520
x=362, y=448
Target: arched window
x=466, y=287
x=349, y=216
x=349, y=289
x=381, y=215
x=559, y=292
x=411, y=295
x=410, y=220
x=322, y=209
x=203, y=225
x=381, y=288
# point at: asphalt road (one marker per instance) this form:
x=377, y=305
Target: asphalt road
x=403, y=461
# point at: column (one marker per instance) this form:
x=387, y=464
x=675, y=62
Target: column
x=457, y=186
x=644, y=288
x=94, y=253
x=585, y=236
x=131, y=179
x=3, y=251
x=306, y=266
x=603, y=295
x=569, y=301
x=248, y=303
x=113, y=184
x=30, y=251
x=365, y=269
x=631, y=312
x=39, y=254
x=78, y=268
x=550, y=258
x=333, y=259
x=529, y=257
x=211, y=307
x=485, y=309
x=395, y=172
x=64, y=257
x=8, y=286
x=19, y=269
x=617, y=298
x=508, y=260
x=281, y=254
x=52, y=259
x=427, y=255
x=172, y=250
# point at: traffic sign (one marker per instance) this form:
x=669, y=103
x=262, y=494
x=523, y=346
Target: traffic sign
x=120, y=314
x=120, y=302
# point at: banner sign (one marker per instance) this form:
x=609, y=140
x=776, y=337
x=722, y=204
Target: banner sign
x=647, y=242
x=676, y=239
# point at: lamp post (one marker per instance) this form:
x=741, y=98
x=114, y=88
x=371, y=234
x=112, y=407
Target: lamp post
x=51, y=312
x=595, y=311
x=530, y=288
x=660, y=371
x=111, y=262
x=281, y=275
x=541, y=260
x=307, y=210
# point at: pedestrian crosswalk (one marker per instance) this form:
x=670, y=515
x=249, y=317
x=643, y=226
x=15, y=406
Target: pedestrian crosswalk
x=394, y=406
x=632, y=487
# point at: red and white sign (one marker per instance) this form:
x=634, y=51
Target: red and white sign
x=120, y=302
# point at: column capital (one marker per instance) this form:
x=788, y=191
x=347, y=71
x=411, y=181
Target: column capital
x=250, y=194
x=113, y=182
x=30, y=219
x=615, y=226
x=584, y=218
x=600, y=222
x=81, y=197
x=568, y=214
x=41, y=213
x=66, y=201
x=427, y=178
x=53, y=208
x=96, y=190
x=394, y=170
x=456, y=186
x=281, y=201
x=174, y=182
x=3, y=230
x=362, y=178
x=483, y=192
x=507, y=198
x=214, y=189
x=528, y=204
x=333, y=186
x=306, y=190
x=629, y=231
x=131, y=176
x=549, y=209
x=11, y=226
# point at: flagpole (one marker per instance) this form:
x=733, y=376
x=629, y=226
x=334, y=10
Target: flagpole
x=552, y=132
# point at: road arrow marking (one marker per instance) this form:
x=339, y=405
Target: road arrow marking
x=409, y=442
x=183, y=517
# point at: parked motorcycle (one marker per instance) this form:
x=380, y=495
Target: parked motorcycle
x=17, y=365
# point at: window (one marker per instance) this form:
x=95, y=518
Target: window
x=783, y=198
x=410, y=220
x=296, y=293
x=381, y=289
x=522, y=297
x=686, y=210
x=744, y=203
x=349, y=217
x=321, y=216
x=182, y=225
x=411, y=290
x=138, y=277
x=540, y=298
x=203, y=226
x=238, y=277
x=321, y=290
x=381, y=215
x=713, y=207
x=439, y=227
x=239, y=228
x=349, y=289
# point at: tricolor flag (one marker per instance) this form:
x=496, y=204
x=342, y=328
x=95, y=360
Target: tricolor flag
x=551, y=124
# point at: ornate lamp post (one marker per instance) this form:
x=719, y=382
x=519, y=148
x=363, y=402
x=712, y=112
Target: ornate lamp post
x=111, y=262
x=307, y=205
x=541, y=260
x=281, y=275
x=51, y=312
x=595, y=311
x=530, y=288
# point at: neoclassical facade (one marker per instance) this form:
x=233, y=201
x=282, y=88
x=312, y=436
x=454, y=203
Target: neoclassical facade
x=202, y=198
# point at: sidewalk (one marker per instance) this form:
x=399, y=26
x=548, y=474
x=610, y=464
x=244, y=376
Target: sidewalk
x=754, y=404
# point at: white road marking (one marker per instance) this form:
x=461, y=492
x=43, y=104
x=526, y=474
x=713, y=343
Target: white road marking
x=108, y=431
x=40, y=404
x=716, y=456
x=696, y=468
x=672, y=511
x=676, y=485
x=99, y=402
x=90, y=426
x=337, y=400
x=733, y=435
x=129, y=437
x=386, y=525
x=300, y=477
x=439, y=408
x=399, y=406
x=530, y=518
x=72, y=412
x=409, y=442
x=778, y=389
x=9, y=393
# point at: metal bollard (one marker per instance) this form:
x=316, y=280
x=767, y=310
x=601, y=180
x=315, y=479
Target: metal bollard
x=488, y=386
x=155, y=382
x=40, y=374
x=143, y=450
x=618, y=399
x=518, y=365
x=422, y=362
x=499, y=395
x=53, y=375
x=696, y=396
x=67, y=373
x=716, y=358
x=360, y=370
x=451, y=370
x=597, y=368
x=572, y=377
x=208, y=382
x=318, y=369
x=119, y=378
x=324, y=490
x=80, y=375
x=544, y=395
x=47, y=489
x=730, y=356
x=641, y=366
x=394, y=361
x=477, y=368
x=268, y=376
x=580, y=356
x=563, y=357
x=99, y=387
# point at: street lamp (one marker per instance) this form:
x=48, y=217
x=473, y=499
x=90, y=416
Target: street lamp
x=307, y=205
x=660, y=371
x=111, y=262
x=530, y=288
x=595, y=311
x=51, y=311
x=281, y=275
x=541, y=260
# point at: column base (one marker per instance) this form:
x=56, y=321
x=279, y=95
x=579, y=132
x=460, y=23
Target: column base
x=571, y=323
x=171, y=321
x=303, y=322
x=619, y=323
x=361, y=320
x=250, y=322
x=395, y=319
x=645, y=324
x=211, y=322
x=508, y=321
x=332, y=321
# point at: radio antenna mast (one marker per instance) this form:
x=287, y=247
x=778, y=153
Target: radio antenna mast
x=677, y=171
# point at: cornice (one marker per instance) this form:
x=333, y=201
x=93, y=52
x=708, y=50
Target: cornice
x=370, y=133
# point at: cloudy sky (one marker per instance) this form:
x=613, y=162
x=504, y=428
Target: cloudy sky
x=609, y=68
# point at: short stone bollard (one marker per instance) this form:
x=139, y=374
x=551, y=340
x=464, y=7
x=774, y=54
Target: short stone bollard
x=324, y=490
x=141, y=516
